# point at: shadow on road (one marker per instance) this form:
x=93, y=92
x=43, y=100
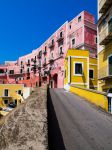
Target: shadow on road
x=55, y=140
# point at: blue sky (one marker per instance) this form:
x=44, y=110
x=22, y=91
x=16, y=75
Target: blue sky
x=26, y=24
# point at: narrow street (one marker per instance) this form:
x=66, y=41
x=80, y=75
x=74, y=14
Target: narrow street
x=75, y=124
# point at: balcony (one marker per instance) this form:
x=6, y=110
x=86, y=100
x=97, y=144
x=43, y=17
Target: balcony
x=3, y=74
x=44, y=63
x=51, y=45
x=34, y=60
x=104, y=73
x=28, y=63
x=104, y=5
x=105, y=36
x=39, y=55
x=39, y=65
x=60, y=54
x=51, y=59
x=60, y=38
x=22, y=66
x=45, y=52
x=44, y=74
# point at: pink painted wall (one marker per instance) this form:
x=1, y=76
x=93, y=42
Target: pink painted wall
x=82, y=28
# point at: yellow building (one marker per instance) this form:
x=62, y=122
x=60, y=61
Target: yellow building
x=80, y=69
x=105, y=45
x=11, y=94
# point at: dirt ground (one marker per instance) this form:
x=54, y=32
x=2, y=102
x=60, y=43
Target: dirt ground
x=25, y=128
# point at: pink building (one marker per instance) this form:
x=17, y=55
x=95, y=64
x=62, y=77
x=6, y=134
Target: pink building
x=46, y=63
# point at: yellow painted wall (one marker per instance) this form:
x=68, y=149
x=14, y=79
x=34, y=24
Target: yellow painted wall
x=83, y=56
x=93, y=65
x=103, y=65
x=13, y=93
x=66, y=71
x=75, y=78
x=92, y=96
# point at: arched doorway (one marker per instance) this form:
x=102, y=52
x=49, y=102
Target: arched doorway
x=55, y=79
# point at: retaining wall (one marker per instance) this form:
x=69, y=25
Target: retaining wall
x=95, y=97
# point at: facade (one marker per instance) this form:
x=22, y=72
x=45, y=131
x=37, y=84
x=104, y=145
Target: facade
x=105, y=45
x=80, y=69
x=46, y=63
x=10, y=93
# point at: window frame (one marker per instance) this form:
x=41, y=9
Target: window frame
x=60, y=50
x=93, y=73
x=108, y=65
x=72, y=40
x=79, y=18
x=74, y=72
x=7, y=94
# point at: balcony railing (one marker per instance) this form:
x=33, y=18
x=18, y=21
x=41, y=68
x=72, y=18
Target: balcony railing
x=51, y=58
x=3, y=74
x=104, y=5
x=39, y=55
x=105, y=35
x=105, y=73
x=60, y=54
x=51, y=45
x=60, y=38
x=38, y=65
x=16, y=73
x=45, y=52
x=44, y=63
x=22, y=66
x=28, y=63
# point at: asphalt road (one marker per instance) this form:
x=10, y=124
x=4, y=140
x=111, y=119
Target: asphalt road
x=78, y=125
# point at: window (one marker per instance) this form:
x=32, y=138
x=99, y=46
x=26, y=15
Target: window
x=6, y=92
x=11, y=72
x=28, y=61
x=15, y=102
x=28, y=70
x=51, y=55
x=70, y=26
x=61, y=50
x=73, y=42
x=21, y=62
x=21, y=70
x=28, y=78
x=52, y=41
x=19, y=79
x=45, y=60
x=6, y=101
x=61, y=34
x=20, y=92
x=95, y=40
x=78, y=68
x=110, y=25
x=79, y=19
x=91, y=74
x=1, y=71
x=45, y=48
x=104, y=22
x=110, y=65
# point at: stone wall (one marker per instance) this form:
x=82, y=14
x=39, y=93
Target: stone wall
x=25, y=128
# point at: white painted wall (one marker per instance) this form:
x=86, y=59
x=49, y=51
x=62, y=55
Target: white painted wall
x=26, y=92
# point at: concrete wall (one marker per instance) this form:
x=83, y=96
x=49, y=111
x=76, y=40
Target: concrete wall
x=25, y=127
x=95, y=97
